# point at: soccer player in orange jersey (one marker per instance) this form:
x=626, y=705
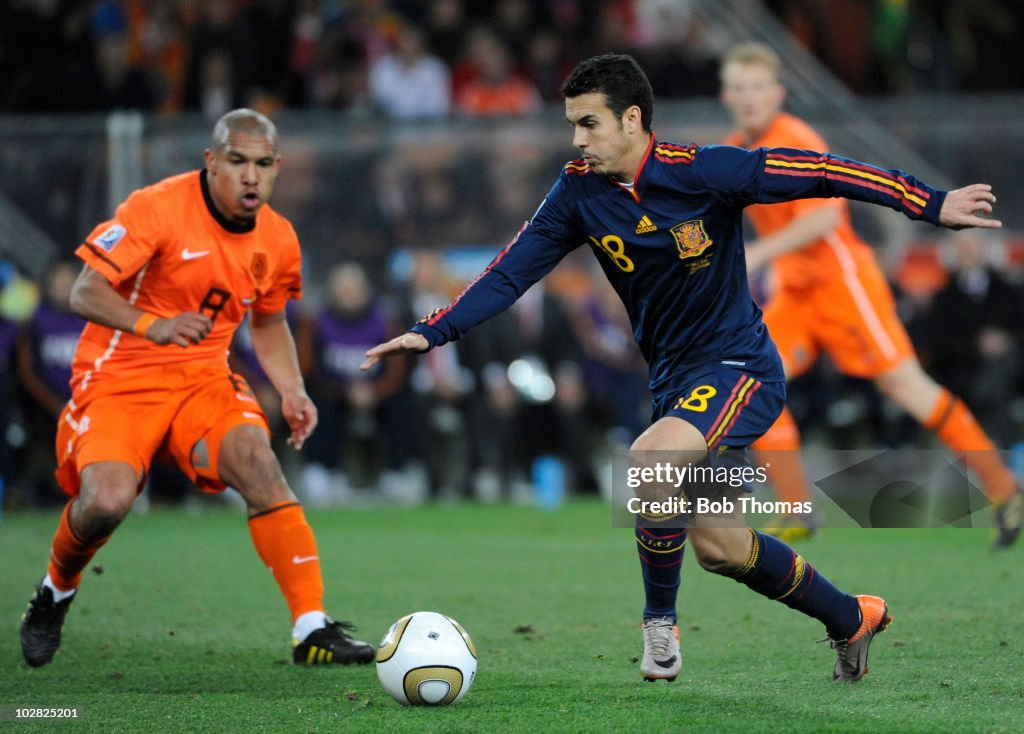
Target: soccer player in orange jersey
x=165, y=285
x=829, y=294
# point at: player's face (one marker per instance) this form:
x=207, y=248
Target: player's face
x=241, y=175
x=753, y=95
x=609, y=144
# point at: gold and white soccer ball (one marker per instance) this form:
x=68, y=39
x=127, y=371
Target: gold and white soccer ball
x=426, y=659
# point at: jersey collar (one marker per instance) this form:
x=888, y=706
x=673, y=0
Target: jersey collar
x=634, y=190
x=223, y=221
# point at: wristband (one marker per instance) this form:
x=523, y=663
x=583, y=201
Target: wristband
x=144, y=322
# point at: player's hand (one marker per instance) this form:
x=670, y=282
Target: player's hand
x=185, y=329
x=300, y=414
x=969, y=207
x=408, y=342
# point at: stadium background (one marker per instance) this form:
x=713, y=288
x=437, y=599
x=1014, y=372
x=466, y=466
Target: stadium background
x=179, y=627
x=99, y=98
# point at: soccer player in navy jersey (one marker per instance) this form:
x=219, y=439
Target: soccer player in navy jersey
x=665, y=222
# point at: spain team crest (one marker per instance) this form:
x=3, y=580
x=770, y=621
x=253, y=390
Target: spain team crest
x=691, y=238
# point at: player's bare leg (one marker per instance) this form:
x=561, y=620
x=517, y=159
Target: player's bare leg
x=942, y=413
x=285, y=543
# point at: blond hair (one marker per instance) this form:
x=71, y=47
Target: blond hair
x=755, y=54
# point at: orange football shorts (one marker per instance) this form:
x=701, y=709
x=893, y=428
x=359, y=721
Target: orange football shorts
x=851, y=316
x=184, y=414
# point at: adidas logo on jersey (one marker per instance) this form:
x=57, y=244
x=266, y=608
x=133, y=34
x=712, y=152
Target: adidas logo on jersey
x=645, y=225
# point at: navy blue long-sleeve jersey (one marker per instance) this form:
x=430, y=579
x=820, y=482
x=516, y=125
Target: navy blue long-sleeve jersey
x=672, y=247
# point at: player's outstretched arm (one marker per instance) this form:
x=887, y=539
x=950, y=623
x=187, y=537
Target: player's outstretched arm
x=969, y=207
x=771, y=175
x=408, y=342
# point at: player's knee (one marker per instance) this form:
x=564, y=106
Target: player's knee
x=889, y=386
x=101, y=510
x=256, y=462
x=903, y=380
x=248, y=464
x=106, y=496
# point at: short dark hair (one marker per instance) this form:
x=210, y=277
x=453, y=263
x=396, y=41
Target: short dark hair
x=621, y=80
x=242, y=120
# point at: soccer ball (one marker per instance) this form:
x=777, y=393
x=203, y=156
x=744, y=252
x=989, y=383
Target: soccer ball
x=426, y=659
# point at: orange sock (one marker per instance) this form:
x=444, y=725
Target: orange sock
x=779, y=451
x=285, y=542
x=956, y=427
x=69, y=554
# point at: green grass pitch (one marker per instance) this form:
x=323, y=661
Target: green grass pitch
x=184, y=630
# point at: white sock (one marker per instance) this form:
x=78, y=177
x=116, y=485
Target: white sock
x=308, y=622
x=58, y=595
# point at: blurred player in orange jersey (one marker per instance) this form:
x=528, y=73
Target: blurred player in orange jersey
x=166, y=283
x=829, y=294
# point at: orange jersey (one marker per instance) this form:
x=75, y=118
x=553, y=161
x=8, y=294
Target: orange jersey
x=829, y=295
x=168, y=250
x=818, y=261
x=514, y=97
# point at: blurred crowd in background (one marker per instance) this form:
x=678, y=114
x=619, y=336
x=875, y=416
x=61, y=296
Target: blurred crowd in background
x=430, y=58
x=534, y=406
x=531, y=407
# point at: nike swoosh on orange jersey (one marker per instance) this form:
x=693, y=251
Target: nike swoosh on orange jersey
x=186, y=255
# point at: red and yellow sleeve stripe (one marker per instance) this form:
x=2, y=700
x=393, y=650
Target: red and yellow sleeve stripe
x=669, y=153
x=858, y=174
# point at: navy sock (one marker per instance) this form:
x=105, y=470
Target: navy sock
x=661, y=558
x=778, y=572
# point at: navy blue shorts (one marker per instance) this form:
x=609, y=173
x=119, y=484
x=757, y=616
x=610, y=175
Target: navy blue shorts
x=731, y=408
